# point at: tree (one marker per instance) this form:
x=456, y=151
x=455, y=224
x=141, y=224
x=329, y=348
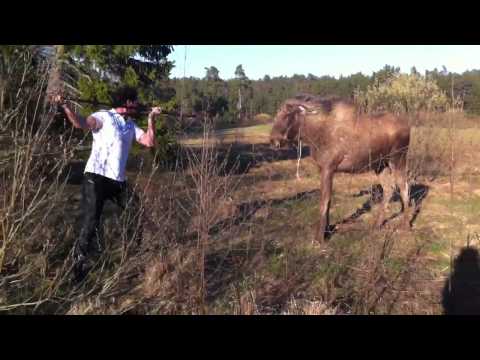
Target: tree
x=94, y=71
x=240, y=93
x=326, y=86
x=18, y=72
x=212, y=74
x=141, y=66
x=467, y=90
x=240, y=73
x=21, y=68
x=213, y=93
x=385, y=75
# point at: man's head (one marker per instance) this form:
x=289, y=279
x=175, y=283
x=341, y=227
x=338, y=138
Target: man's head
x=125, y=100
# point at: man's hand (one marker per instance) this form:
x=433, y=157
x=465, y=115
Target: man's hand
x=57, y=99
x=78, y=122
x=155, y=112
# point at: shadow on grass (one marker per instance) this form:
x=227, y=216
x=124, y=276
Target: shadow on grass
x=246, y=211
x=239, y=158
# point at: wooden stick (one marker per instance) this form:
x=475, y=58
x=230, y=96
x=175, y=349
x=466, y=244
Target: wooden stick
x=143, y=109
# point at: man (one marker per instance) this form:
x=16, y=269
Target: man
x=104, y=178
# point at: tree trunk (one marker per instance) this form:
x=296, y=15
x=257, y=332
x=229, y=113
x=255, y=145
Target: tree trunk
x=239, y=104
x=55, y=84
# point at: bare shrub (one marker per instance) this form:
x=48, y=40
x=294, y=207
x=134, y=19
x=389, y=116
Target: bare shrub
x=32, y=185
x=434, y=135
x=37, y=222
x=307, y=307
x=212, y=185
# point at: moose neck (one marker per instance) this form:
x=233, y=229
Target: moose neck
x=310, y=128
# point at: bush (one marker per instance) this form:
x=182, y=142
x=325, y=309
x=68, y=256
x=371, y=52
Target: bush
x=263, y=118
x=403, y=93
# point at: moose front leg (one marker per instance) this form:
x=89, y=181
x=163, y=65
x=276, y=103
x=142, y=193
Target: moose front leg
x=404, y=193
x=325, y=196
x=401, y=179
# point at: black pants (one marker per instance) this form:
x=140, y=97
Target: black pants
x=95, y=191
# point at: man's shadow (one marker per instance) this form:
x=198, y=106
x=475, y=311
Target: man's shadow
x=461, y=293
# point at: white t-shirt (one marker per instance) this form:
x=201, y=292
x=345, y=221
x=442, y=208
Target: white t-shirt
x=111, y=144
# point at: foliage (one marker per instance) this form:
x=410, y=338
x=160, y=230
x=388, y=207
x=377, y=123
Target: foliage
x=103, y=68
x=403, y=93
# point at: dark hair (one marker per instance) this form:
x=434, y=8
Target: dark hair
x=122, y=94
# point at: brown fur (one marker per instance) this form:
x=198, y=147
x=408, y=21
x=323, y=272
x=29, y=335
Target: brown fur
x=343, y=140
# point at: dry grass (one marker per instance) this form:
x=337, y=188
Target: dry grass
x=221, y=239
x=257, y=134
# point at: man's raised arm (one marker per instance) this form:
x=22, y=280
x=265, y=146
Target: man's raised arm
x=148, y=138
x=79, y=122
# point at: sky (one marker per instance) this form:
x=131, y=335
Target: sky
x=319, y=60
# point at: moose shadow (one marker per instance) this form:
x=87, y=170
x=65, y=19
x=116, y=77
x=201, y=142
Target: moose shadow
x=417, y=193
x=246, y=211
x=239, y=158
x=235, y=159
x=461, y=293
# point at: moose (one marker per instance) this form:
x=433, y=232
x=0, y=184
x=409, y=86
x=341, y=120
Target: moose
x=344, y=139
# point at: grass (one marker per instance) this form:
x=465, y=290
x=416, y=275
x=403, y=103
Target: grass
x=266, y=262
x=440, y=222
x=346, y=277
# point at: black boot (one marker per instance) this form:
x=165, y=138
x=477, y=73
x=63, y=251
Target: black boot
x=80, y=269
